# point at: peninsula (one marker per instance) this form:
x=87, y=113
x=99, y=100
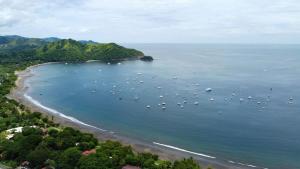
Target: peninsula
x=33, y=140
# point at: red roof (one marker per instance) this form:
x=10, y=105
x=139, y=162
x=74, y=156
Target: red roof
x=130, y=167
x=88, y=152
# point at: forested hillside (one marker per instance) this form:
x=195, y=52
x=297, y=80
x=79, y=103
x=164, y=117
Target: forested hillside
x=15, y=49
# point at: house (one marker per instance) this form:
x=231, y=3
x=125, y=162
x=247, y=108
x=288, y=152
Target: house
x=88, y=152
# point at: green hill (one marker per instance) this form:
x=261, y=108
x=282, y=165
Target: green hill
x=62, y=50
x=110, y=51
x=71, y=50
x=17, y=48
x=17, y=43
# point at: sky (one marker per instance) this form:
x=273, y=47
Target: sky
x=154, y=21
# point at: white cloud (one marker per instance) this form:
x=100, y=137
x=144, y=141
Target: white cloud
x=155, y=20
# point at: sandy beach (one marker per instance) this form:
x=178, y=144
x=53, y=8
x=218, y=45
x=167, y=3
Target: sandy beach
x=164, y=151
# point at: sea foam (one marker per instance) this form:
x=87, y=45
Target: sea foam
x=37, y=103
x=183, y=150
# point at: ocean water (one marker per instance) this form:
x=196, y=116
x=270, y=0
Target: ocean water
x=262, y=131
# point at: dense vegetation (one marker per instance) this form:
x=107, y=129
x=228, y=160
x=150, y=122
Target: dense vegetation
x=45, y=144
x=15, y=49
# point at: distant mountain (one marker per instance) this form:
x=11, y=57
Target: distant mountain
x=51, y=39
x=88, y=42
x=17, y=43
x=68, y=49
x=16, y=48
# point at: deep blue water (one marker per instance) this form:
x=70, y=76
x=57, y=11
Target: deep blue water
x=265, y=134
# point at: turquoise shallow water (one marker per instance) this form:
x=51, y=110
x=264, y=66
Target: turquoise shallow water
x=262, y=131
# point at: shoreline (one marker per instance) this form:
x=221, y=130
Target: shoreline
x=165, y=152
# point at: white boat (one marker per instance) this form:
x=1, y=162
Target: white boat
x=208, y=89
x=196, y=103
x=212, y=99
x=148, y=106
x=249, y=97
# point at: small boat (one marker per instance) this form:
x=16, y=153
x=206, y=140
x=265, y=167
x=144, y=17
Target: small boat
x=161, y=96
x=291, y=98
x=258, y=102
x=182, y=106
x=208, y=89
x=108, y=63
x=164, y=108
x=148, y=106
x=141, y=81
x=184, y=101
x=163, y=103
x=212, y=99
x=119, y=63
x=178, y=104
x=158, y=87
x=196, y=103
x=249, y=97
x=241, y=99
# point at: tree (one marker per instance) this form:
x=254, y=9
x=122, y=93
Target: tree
x=38, y=157
x=69, y=158
x=186, y=164
x=31, y=130
x=91, y=162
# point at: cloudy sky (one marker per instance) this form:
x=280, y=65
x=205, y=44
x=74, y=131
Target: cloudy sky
x=154, y=21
